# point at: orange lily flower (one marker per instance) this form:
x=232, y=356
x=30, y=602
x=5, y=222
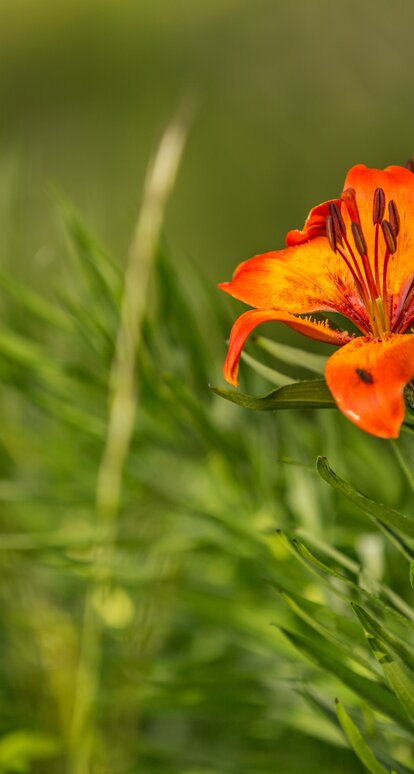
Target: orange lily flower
x=351, y=259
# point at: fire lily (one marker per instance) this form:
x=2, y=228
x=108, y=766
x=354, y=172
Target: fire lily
x=354, y=256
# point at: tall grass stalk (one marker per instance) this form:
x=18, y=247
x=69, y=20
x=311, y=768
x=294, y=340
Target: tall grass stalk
x=123, y=398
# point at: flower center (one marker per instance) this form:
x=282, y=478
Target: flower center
x=370, y=281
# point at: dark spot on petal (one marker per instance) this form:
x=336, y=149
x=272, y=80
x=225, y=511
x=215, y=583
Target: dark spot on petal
x=365, y=376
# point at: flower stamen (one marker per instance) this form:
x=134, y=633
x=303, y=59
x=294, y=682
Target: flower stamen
x=391, y=243
x=338, y=221
x=371, y=287
x=361, y=246
x=377, y=217
x=389, y=236
x=330, y=233
x=379, y=206
x=394, y=217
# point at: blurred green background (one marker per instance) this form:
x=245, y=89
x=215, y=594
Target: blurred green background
x=290, y=95
x=194, y=679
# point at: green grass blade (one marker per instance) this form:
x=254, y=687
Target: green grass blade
x=322, y=570
x=402, y=685
x=24, y=353
x=344, y=561
x=328, y=659
x=381, y=513
x=374, y=629
x=357, y=742
x=292, y=355
x=33, y=303
x=299, y=395
x=311, y=618
x=275, y=377
x=398, y=676
x=101, y=273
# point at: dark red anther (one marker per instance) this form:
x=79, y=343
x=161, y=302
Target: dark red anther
x=338, y=221
x=337, y=217
x=394, y=217
x=379, y=206
x=348, y=196
x=359, y=239
x=410, y=165
x=330, y=232
x=389, y=236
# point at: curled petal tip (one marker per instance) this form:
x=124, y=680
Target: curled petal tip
x=246, y=323
x=231, y=370
x=223, y=285
x=231, y=380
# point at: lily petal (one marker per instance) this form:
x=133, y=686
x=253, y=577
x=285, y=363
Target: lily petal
x=249, y=320
x=367, y=378
x=315, y=225
x=302, y=279
x=398, y=185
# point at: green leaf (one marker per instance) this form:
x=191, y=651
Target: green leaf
x=299, y=395
x=292, y=355
x=412, y=574
x=397, y=675
x=328, y=659
x=311, y=615
x=33, y=303
x=24, y=353
x=344, y=561
x=275, y=377
x=357, y=742
x=101, y=272
x=315, y=565
x=402, y=685
x=374, y=629
x=380, y=513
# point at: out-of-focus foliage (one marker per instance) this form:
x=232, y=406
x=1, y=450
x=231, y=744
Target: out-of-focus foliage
x=193, y=677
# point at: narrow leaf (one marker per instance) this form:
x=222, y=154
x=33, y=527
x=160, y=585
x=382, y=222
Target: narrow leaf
x=357, y=742
x=319, y=568
x=311, y=618
x=34, y=303
x=381, y=513
x=292, y=355
x=397, y=675
x=326, y=658
x=275, y=377
x=374, y=629
x=306, y=394
x=412, y=574
x=402, y=685
x=354, y=568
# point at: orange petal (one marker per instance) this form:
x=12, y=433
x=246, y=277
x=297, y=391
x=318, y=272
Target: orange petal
x=301, y=279
x=367, y=378
x=398, y=184
x=315, y=225
x=249, y=320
